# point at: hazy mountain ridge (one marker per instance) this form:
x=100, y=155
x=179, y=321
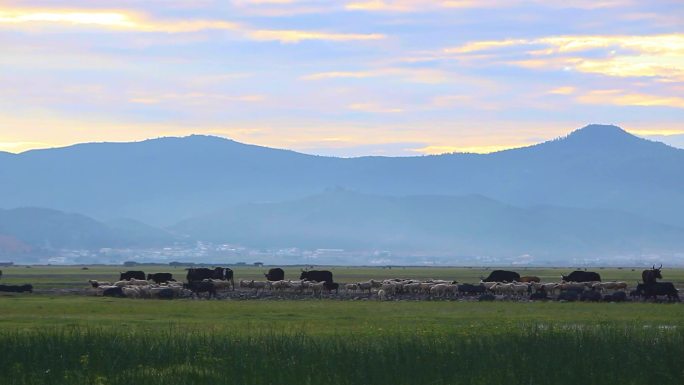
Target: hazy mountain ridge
x=163, y=181
x=463, y=226
x=596, y=190
x=32, y=229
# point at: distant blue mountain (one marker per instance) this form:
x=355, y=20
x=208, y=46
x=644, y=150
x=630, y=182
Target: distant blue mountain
x=162, y=181
x=47, y=229
x=435, y=225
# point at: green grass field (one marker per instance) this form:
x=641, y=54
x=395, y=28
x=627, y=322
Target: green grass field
x=74, y=276
x=72, y=339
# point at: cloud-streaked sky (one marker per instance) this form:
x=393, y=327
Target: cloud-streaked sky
x=347, y=78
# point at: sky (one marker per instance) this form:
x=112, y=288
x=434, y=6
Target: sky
x=344, y=77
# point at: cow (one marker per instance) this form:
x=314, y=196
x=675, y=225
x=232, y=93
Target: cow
x=332, y=286
x=276, y=274
x=590, y=296
x=618, y=296
x=113, y=292
x=202, y=273
x=198, y=287
x=530, y=278
x=16, y=288
x=653, y=290
x=486, y=297
x=502, y=276
x=165, y=293
x=569, y=296
x=650, y=276
x=468, y=289
x=132, y=274
x=581, y=276
x=159, y=278
x=317, y=275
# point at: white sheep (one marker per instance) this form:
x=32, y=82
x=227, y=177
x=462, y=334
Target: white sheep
x=317, y=288
x=351, y=287
x=131, y=291
x=382, y=295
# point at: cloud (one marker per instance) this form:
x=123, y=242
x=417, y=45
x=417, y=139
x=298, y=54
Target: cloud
x=414, y=75
x=626, y=98
x=134, y=22
x=293, y=36
x=567, y=90
x=486, y=149
x=373, y=108
x=195, y=98
x=431, y=5
x=658, y=56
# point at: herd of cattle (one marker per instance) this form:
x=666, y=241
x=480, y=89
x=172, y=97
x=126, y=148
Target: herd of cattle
x=500, y=284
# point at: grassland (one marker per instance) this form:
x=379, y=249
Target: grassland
x=76, y=276
x=67, y=340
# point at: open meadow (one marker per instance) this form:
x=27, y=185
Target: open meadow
x=48, y=338
x=56, y=277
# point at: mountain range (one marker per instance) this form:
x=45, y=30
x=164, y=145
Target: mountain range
x=598, y=190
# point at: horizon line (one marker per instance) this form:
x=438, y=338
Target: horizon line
x=642, y=134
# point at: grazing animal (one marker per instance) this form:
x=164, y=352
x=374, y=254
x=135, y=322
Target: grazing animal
x=317, y=275
x=163, y=293
x=590, y=296
x=570, y=296
x=581, y=276
x=219, y=284
x=275, y=274
x=503, y=288
x=530, y=278
x=280, y=285
x=202, y=273
x=502, y=276
x=653, y=290
x=468, y=289
x=610, y=286
x=113, y=292
x=363, y=286
x=486, y=297
x=332, y=286
x=618, y=296
x=382, y=295
x=132, y=274
x=201, y=287
x=317, y=288
x=131, y=291
x=650, y=276
x=96, y=284
x=351, y=287
x=439, y=290
x=160, y=278
x=258, y=285
x=539, y=295
x=16, y=288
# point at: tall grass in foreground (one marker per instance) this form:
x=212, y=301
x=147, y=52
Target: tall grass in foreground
x=529, y=355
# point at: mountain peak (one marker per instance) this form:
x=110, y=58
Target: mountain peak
x=601, y=131
x=601, y=137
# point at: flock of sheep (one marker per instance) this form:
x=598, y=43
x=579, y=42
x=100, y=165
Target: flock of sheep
x=389, y=289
